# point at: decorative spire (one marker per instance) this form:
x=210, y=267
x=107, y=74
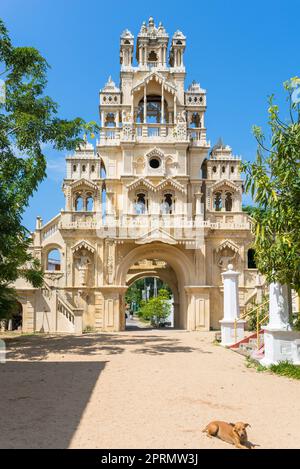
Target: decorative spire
x=151, y=22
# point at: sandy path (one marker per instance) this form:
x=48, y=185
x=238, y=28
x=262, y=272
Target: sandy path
x=139, y=389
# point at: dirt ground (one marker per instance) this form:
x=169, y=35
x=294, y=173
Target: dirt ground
x=138, y=389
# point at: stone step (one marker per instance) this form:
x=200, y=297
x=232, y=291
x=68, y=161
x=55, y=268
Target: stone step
x=254, y=340
x=248, y=347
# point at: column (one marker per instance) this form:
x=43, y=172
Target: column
x=175, y=110
x=102, y=119
x=161, y=55
x=162, y=104
x=198, y=196
x=232, y=331
x=145, y=104
x=279, y=307
x=140, y=55
x=223, y=201
x=117, y=119
x=132, y=110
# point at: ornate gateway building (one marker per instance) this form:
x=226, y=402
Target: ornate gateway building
x=151, y=199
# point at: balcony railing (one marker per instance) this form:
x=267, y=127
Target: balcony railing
x=143, y=132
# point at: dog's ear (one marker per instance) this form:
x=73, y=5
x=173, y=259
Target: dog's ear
x=247, y=425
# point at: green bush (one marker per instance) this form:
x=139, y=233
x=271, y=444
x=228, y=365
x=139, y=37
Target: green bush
x=156, y=309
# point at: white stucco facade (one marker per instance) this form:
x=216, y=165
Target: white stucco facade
x=149, y=197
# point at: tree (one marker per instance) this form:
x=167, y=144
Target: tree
x=273, y=180
x=156, y=309
x=28, y=121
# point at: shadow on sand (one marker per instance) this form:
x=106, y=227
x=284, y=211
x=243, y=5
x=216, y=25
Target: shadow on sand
x=42, y=402
x=39, y=346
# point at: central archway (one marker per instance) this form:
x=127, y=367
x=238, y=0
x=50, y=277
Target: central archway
x=164, y=275
x=179, y=262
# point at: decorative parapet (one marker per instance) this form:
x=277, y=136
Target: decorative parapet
x=146, y=133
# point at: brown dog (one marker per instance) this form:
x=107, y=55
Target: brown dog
x=234, y=433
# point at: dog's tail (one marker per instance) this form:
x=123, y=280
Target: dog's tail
x=205, y=429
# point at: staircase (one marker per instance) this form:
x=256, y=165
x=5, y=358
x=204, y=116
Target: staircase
x=251, y=345
x=66, y=317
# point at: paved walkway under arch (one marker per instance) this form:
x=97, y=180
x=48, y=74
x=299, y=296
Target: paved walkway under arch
x=143, y=388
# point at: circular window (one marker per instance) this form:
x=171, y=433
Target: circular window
x=154, y=163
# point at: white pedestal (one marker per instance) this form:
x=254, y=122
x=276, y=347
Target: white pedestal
x=228, y=334
x=281, y=343
x=281, y=346
x=231, y=309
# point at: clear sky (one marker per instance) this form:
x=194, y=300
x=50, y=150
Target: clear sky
x=239, y=50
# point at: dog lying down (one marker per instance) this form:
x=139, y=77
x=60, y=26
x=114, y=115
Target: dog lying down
x=234, y=433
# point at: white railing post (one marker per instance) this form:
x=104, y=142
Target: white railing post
x=232, y=329
x=281, y=342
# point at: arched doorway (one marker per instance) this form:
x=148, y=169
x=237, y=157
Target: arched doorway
x=179, y=264
x=16, y=319
x=143, y=286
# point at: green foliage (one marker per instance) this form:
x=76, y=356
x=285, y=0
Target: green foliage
x=156, y=309
x=28, y=121
x=8, y=302
x=273, y=180
x=286, y=369
x=283, y=368
x=133, y=295
x=248, y=209
x=134, y=292
x=250, y=363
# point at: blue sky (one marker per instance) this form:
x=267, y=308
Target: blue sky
x=239, y=51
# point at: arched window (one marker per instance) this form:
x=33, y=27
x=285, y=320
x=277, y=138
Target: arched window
x=251, y=259
x=102, y=170
x=153, y=110
x=223, y=169
x=83, y=168
x=53, y=260
x=93, y=168
x=214, y=169
x=89, y=203
x=152, y=59
x=228, y=201
x=74, y=167
x=218, y=201
x=79, y=204
x=110, y=120
x=140, y=203
x=195, y=121
x=167, y=204
x=103, y=200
